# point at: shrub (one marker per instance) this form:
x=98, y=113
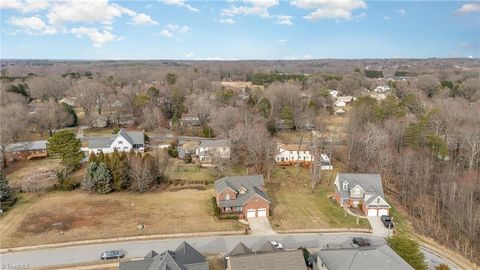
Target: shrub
x=216, y=209
x=409, y=250
x=442, y=266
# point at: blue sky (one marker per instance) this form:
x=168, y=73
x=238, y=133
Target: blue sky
x=238, y=29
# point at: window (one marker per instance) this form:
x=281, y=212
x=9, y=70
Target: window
x=120, y=142
x=227, y=208
x=227, y=197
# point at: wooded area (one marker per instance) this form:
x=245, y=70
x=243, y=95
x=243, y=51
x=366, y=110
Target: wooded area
x=423, y=137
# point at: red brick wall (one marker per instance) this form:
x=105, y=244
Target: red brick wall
x=337, y=197
x=256, y=203
x=221, y=196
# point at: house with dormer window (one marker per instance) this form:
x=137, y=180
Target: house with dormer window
x=364, y=191
x=243, y=196
x=123, y=141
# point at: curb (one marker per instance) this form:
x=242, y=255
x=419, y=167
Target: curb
x=336, y=230
x=122, y=239
x=450, y=256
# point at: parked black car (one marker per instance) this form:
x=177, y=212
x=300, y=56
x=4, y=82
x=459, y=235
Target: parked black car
x=112, y=254
x=387, y=221
x=361, y=242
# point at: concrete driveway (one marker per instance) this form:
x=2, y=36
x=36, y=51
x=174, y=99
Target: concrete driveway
x=378, y=227
x=260, y=226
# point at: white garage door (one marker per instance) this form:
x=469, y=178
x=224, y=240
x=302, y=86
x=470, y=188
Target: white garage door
x=383, y=212
x=250, y=213
x=262, y=212
x=372, y=212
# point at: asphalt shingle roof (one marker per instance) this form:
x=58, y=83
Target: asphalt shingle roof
x=376, y=257
x=250, y=182
x=133, y=137
x=185, y=257
x=371, y=183
x=27, y=146
x=240, y=249
x=285, y=260
x=215, y=143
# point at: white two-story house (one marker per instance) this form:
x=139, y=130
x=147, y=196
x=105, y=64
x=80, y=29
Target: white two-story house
x=209, y=148
x=288, y=154
x=123, y=141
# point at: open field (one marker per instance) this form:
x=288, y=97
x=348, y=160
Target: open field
x=70, y=216
x=295, y=206
x=39, y=172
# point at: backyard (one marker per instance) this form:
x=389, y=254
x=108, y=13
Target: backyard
x=295, y=206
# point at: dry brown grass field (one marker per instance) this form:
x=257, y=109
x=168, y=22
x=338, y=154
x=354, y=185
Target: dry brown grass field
x=71, y=216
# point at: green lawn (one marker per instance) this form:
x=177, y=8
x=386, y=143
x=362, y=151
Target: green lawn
x=295, y=206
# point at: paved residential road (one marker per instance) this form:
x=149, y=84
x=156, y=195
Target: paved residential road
x=136, y=249
x=214, y=244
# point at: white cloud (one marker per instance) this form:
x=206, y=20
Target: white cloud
x=24, y=6
x=166, y=33
x=330, y=9
x=98, y=38
x=468, y=8
x=291, y=57
x=282, y=41
x=256, y=7
x=143, y=19
x=227, y=21
x=32, y=25
x=170, y=29
x=386, y=18
x=402, y=12
x=284, y=19
x=307, y=56
x=180, y=3
x=184, y=29
x=190, y=55
x=98, y=11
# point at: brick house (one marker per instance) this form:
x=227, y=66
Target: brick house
x=243, y=196
x=26, y=150
x=364, y=191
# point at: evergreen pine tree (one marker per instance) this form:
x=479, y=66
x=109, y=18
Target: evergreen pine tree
x=88, y=182
x=5, y=191
x=92, y=157
x=103, y=179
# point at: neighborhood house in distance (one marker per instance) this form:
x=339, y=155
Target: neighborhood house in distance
x=26, y=150
x=185, y=257
x=209, y=149
x=243, y=196
x=364, y=191
x=289, y=154
x=123, y=141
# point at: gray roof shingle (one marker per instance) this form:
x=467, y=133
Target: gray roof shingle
x=133, y=137
x=376, y=257
x=371, y=183
x=285, y=260
x=185, y=257
x=251, y=183
x=240, y=249
x=27, y=146
x=215, y=143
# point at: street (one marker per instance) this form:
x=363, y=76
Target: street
x=136, y=249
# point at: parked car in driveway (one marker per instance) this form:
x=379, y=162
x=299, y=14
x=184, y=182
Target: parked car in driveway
x=387, y=221
x=276, y=244
x=112, y=254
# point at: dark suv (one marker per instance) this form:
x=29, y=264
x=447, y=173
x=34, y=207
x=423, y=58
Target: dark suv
x=361, y=242
x=387, y=221
x=112, y=254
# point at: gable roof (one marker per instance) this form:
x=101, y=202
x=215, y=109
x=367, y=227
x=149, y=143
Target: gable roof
x=370, y=183
x=240, y=249
x=185, y=257
x=214, y=143
x=293, y=146
x=250, y=182
x=285, y=260
x=266, y=247
x=132, y=137
x=376, y=257
x=27, y=146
